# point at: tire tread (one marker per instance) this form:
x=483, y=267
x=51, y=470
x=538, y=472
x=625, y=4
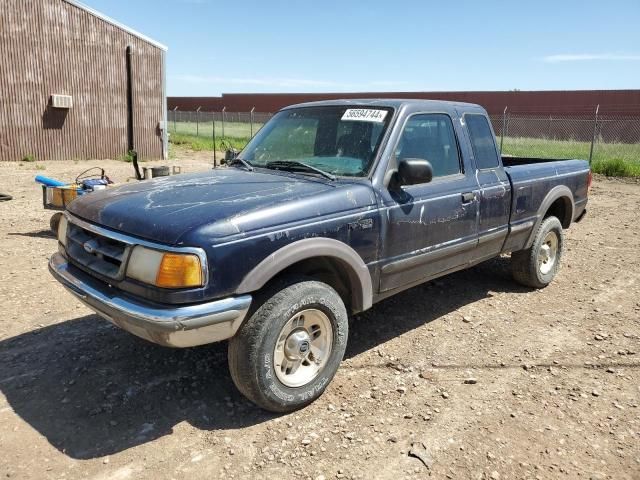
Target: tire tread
x=244, y=347
x=524, y=264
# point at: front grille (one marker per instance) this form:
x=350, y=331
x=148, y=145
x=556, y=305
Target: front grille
x=96, y=252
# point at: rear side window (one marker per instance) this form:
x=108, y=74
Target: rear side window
x=484, y=148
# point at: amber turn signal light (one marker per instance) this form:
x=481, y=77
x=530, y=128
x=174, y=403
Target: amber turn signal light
x=179, y=271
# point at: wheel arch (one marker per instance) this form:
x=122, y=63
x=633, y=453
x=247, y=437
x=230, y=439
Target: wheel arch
x=558, y=202
x=305, y=255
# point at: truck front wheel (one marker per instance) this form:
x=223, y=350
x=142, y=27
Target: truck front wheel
x=537, y=266
x=286, y=354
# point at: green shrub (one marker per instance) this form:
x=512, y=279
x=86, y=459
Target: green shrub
x=616, y=167
x=128, y=157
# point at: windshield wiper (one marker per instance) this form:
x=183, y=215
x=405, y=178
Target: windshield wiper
x=242, y=161
x=295, y=165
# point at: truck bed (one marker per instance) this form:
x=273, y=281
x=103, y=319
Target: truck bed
x=510, y=161
x=531, y=180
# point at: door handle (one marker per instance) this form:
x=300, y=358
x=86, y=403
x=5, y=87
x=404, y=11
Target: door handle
x=468, y=197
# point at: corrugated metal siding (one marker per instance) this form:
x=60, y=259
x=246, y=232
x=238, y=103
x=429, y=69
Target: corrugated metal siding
x=52, y=47
x=576, y=102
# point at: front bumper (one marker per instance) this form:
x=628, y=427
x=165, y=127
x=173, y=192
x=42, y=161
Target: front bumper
x=168, y=325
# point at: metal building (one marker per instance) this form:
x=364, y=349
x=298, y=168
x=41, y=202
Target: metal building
x=75, y=84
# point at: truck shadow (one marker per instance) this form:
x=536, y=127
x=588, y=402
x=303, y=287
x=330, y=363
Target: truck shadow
x=93, y=390
x=425, y=303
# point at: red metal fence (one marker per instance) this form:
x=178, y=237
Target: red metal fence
x=572, y=103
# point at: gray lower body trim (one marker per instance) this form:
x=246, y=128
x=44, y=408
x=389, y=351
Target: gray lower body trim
x=580, y=210
x=168, y=325
x=354, y=266
x=393, y=291
x=521, y=227
x=518, y=234
x=416, y=260
x=493, y=236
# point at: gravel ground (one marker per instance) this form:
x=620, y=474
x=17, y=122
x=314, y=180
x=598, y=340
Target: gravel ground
x=479, y=377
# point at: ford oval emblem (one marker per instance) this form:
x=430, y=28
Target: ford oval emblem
x=88, y=247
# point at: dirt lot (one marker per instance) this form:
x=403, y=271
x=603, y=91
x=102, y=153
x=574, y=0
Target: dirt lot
x=495, y=380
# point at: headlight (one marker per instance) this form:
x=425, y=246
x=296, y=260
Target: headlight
x=165, y=269
x=62, y=230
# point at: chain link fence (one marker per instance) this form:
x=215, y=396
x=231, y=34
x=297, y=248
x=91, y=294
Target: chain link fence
x=237, y=126
x=591, y=136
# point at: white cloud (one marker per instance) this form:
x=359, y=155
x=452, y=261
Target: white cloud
x=587, y=57
x=281, y=82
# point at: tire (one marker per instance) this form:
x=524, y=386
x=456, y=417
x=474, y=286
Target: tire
x=54, y=221
x=537, y=266
x=257, y=353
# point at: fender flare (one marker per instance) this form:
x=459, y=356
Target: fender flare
x=559, y=191
x=354, y=267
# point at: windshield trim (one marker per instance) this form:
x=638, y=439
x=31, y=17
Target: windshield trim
x=379, y=149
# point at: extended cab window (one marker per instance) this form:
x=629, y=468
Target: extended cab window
x=484, y=147
x=431, y=137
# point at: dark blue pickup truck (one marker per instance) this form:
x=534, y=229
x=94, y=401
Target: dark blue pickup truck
x=330, y=208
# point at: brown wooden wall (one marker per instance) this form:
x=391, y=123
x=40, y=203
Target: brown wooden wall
x=53, y=47
x=576, y=102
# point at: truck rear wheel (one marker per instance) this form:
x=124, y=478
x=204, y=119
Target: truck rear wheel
x=537, y=266
x=286, y=354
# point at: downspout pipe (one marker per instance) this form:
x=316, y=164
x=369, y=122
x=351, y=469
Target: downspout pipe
x=130, y=133
x=165, y=130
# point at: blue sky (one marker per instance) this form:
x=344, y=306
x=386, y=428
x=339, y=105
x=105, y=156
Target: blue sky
x=220, y=46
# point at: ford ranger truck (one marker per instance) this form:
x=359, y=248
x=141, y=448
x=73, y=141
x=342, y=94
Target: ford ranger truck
x=330, y=208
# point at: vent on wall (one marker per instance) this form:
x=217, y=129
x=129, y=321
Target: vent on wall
x=61, y=101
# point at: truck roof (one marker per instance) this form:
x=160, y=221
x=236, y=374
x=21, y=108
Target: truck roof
x=388, y=102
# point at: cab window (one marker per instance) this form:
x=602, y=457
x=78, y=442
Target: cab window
x=431, y=137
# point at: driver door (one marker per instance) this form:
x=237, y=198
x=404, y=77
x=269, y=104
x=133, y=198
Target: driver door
x=431, y=228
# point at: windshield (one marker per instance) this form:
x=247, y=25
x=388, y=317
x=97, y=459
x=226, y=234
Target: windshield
x=340, y=140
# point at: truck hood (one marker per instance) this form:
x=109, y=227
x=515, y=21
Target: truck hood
x=218, y=203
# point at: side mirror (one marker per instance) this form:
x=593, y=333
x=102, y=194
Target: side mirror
x=230, y=155
x=413, y=171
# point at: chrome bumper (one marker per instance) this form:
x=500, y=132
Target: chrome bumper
x=169, y=325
